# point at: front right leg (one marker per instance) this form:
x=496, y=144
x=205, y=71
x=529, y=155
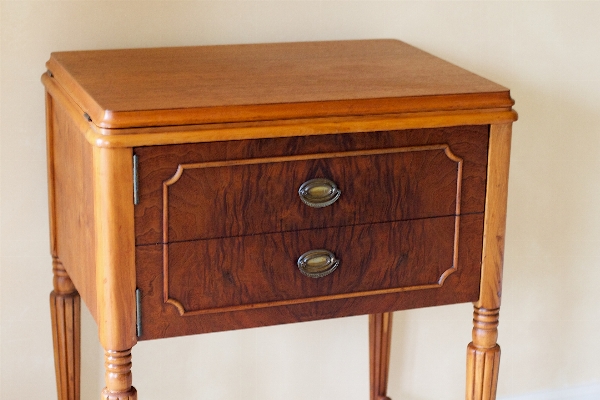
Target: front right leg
x=118, y=376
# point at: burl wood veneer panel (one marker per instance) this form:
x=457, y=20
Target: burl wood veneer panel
x=211, y=275
x=416, y=177
x=263, y=275
x=208, y=200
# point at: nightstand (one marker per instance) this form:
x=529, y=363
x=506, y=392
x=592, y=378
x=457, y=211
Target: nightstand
x=203, y=189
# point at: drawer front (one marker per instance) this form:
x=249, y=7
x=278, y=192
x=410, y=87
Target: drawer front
x=219, y=275
x=220, y=190
x=225, y=199
x=239, y=282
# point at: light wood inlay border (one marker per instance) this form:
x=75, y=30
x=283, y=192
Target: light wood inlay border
x=228, y=163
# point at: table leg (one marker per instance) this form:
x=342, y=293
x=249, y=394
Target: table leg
x=118, y=376
x=65, y=307
x=380, y=336
x=483, y=354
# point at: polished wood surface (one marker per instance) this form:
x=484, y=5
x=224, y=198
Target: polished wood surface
x=164, y=319
x=72, y=215
x=293, y=127
x=224, y=136
x=115, y=239
x=216, y=84
x=410, y=187
x=411, y=182
x=118, y=376
x=115, y=274
x=111, y=138
x=380, y=343
x=419, y=255
x=65, y=307
x=483, y=353
x=65, y=301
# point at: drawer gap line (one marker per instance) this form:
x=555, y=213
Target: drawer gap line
x=308, y=229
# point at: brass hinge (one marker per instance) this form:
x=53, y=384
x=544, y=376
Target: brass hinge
x=138, y=312
x=136, y=188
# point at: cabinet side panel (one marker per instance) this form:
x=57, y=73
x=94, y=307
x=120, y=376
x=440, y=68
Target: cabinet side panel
x=74, y=204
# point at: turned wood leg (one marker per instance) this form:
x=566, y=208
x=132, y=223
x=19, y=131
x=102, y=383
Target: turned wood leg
x=483, y=356
x=380, y=336
x=65, y=307
x=118, y=376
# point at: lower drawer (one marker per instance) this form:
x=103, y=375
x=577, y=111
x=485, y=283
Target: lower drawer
x=217, y=284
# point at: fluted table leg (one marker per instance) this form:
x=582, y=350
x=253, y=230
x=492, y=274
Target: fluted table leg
x=483, y=356
x=483, y=353
x=380, y=336
x=65, y=307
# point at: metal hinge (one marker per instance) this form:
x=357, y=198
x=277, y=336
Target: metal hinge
x=136, y=188
x=138, y=312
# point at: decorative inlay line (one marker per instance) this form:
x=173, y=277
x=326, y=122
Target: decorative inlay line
x=184, y=312
x=304, y=157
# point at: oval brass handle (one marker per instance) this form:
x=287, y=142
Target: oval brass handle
x=317, y=263
x=319, y=192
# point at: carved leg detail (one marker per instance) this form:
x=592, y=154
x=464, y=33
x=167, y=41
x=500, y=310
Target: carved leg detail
x=65, y=308
x=483, y=356
x=380, y=336
x=118, y=376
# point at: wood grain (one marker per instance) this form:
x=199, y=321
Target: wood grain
x=162, y=319
x=380, y=340
x=118, y=376
x=51, y=173
x=260, y=270
x=322, y=126
x=495, y=217
x=115, y=255
x=187, y=85
x=247, y=197
x=65, y=308
x=198, y=201
x=217, y=249
x=483, y=354
x=72, y=199
x=115, y=260
x=152, y=136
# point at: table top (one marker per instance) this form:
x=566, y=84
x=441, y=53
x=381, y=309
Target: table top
x=261, y=82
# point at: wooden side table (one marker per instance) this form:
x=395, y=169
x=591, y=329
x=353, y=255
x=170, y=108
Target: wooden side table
x=203, y=189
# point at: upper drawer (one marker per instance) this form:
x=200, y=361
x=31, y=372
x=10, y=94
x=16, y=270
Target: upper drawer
x=233, y=195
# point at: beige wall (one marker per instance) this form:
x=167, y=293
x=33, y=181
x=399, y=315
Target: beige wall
x=547, y=53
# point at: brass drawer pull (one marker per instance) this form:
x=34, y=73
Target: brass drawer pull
x=317, y=263
x=319, y=192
